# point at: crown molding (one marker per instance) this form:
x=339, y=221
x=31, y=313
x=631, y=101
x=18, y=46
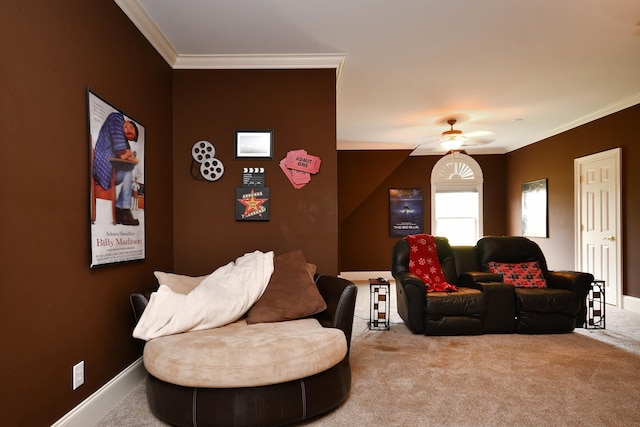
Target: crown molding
x=266, y=61
x=149, y=29
x=620, y=105
x=262, y=62
x=136, y=13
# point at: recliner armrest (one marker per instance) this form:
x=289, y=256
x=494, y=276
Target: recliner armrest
x=571, y=280
x=411, y=297
x=469, y=278
x=500, y=298
x=139, y=302
x=340, y=296
x=410, y=279
x=578, y=282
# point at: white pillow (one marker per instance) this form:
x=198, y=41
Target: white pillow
x=178, y=283
x=223, y=297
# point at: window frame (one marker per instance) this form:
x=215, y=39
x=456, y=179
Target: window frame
x=457, y=172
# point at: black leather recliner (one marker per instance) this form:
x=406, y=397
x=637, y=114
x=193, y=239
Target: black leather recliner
x=485, y=304
x=436, y=313
x=560, y=307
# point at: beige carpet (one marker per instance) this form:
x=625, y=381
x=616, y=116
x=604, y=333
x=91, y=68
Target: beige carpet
x=401, y=379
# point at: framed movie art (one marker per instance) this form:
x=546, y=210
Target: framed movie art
x=254, y=144
x=405, y=211
x=534, y=209
x=116, y=184
x=252, y=204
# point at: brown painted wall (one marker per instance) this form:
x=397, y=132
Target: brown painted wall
x=553, y=159
x=59, y=310
x=54, y=310
x=299, y=105
x=365, y=244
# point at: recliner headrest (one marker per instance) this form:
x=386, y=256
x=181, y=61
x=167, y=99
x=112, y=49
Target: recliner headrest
x=509, y=249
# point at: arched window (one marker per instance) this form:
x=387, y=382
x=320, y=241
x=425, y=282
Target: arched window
x=456, y=199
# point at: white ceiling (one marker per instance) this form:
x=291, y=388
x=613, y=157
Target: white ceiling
x=524, y=70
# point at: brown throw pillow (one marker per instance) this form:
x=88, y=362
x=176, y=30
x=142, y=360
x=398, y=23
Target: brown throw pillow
x=291, y=293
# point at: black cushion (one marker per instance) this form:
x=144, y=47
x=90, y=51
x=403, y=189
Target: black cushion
x=509, y=249
x=546, y=311
x=465, y=302
x=453, y=325
x=547, y=301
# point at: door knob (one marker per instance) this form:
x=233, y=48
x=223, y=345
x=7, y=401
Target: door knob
x=610, y=238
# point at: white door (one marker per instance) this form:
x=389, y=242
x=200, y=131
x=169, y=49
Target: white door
x=598, y=222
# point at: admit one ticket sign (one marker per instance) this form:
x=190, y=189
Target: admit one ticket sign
x=298, y=166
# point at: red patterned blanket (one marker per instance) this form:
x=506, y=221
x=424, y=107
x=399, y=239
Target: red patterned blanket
x=424, y=263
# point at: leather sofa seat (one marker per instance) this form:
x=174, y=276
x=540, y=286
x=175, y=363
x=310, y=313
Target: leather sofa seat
x=450, y=312
x=546, y=310
x=464, y=302
x=484, y=303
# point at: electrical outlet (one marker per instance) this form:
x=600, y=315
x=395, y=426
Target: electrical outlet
x=78, y=375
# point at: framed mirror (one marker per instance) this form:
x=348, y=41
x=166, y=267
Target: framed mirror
x=534, y=209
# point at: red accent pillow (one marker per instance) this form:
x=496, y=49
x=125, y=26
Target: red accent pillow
x=520, y=275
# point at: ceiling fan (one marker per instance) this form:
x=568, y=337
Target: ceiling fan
x=454, y=139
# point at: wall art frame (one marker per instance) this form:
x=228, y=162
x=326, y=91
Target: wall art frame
x=116, y=184
x=535, y=212
x=405, y=211
x=254, y=144
x=252, y=204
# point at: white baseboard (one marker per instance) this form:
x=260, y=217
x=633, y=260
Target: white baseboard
x=95, y=407
x=631, y=303
x=365, y=275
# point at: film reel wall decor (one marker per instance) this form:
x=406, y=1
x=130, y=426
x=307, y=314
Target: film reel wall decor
x=252, y=199
x=203, y=153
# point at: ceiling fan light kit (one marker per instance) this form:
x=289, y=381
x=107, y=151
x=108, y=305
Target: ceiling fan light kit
x=452, y=139
x=451, y=144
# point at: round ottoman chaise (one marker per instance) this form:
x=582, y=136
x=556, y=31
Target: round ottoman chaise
x=262, y=374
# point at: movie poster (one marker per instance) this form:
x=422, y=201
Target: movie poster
x=405, y=212
x=116, y=181
x=252, y=204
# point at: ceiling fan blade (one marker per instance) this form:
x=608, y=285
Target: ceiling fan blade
x=478, y=133
x=480, y=137
x=468, y=140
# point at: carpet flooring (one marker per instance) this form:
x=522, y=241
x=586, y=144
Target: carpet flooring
x=586, y=378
